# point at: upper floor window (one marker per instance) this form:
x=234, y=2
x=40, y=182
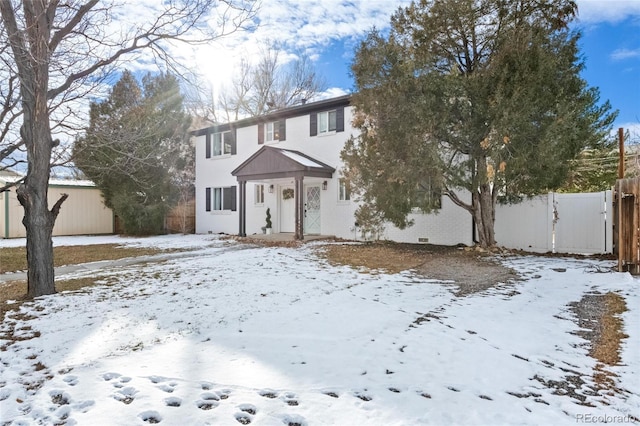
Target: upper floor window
x=326, y=122
x=259, y=194
x=220, y=144
x=272, y=131
x=344, y=190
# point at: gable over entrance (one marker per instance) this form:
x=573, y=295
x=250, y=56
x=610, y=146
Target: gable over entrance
x=275, y=163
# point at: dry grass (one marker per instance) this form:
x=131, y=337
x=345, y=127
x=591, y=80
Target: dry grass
x=15, y=258
x=389, y=257
x=607, y=348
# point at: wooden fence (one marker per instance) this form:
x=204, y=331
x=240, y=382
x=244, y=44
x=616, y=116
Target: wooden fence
x=182, y=218
x=626, y=207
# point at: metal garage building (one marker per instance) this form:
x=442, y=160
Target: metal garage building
x=83, y=213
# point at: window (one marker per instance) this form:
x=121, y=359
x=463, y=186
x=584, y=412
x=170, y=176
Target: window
x=327, y=122
x=428, y=195
x=259, y=194
x=219, y=199
x=273, y=131
x=220, y=144
x=344, y=190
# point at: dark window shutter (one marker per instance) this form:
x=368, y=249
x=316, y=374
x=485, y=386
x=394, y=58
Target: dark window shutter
x=340, y=119
x=313, y=124
x=229, y=198
x=233, y=198
x=282, y=124
x=207, y=202
x=233, y=142
x=260, y=134
x=208, y=146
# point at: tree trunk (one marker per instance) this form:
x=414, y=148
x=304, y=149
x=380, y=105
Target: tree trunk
x=36, y=133
x=484, y=215
x=32, y=194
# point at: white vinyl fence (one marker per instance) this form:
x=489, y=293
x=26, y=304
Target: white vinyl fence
x=561, y=223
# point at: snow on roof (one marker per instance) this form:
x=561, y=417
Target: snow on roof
x=300, y=159
x=53, y=182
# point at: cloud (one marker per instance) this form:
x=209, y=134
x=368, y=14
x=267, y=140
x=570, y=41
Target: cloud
x=611, y=11
x=298, y=27
x=621, y=54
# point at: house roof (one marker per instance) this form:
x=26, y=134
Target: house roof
x=280, y=114
x=12, y=177
x=273, y=163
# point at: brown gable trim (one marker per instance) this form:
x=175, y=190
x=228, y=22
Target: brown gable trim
x=282, y=114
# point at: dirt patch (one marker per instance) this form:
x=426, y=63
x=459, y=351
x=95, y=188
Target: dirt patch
x=470, y=271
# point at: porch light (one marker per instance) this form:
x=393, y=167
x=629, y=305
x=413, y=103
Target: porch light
x=324, y=185
x=270, y=189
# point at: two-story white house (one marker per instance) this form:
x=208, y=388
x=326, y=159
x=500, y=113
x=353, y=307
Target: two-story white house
x=288, y=161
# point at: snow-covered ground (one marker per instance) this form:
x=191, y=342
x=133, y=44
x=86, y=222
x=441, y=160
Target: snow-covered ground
x=276, y=336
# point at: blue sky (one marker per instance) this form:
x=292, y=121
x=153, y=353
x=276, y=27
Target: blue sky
x=611, y=50
x=328, y=31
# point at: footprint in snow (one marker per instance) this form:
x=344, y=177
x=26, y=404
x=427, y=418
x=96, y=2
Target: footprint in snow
x=125, y=395
x=173, y=402
x=108, y=376
x=294, y=420
x=71, y=380
x=243, y=418
x=268, y=393
x=59, y=397
x=332, y=394
x=150, y=416
x=206, y=404
x=210, y=396
x=248, y=408
x=363, y=396
x=290, y=399
x=168, y=387
x=120, y=383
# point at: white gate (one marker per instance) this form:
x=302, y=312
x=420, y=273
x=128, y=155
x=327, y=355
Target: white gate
x=563, y=223
x=580, y=222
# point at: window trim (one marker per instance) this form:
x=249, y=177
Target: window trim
x=270, y=132
x=344, y=183
x=226, y=141
x=258, y=197
x=328, y=114
x=218, y=197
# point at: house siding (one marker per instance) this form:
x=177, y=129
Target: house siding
x=451, y=226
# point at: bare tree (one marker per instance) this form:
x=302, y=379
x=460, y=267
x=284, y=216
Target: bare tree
x=56, y=48
x=260, y=87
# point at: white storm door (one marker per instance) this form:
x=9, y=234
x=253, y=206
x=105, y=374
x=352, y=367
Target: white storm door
x=312, y=210
x=287, y=210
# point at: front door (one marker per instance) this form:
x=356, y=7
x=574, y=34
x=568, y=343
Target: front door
x=287, y=209
x=312, y=210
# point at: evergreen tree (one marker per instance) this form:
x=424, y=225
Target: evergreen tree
x=136, y=149
x=483, y=95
